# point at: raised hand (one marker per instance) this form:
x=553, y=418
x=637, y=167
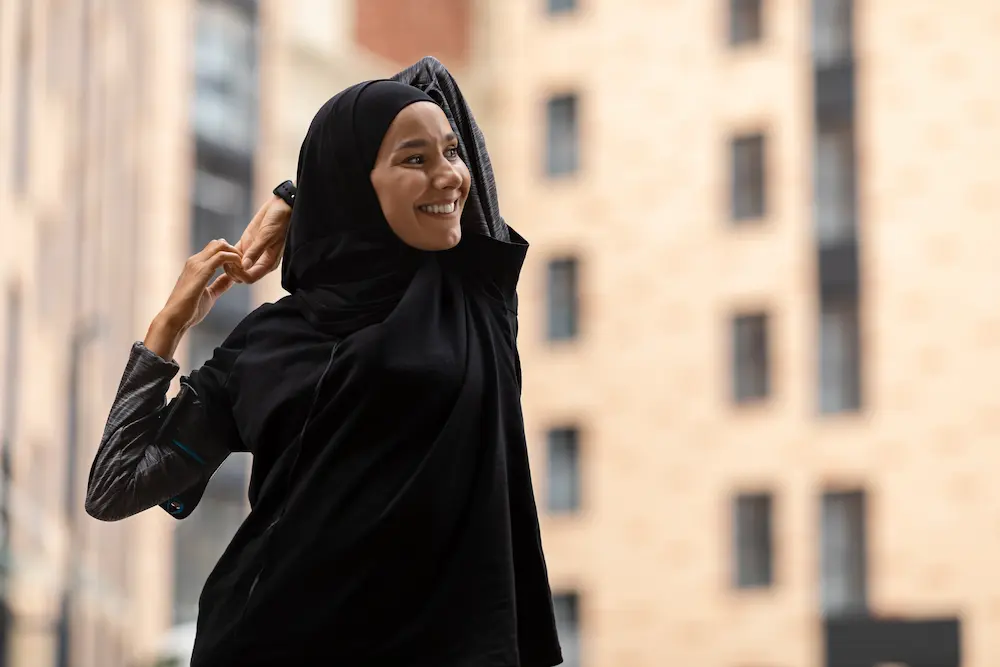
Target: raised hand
x=263, y=242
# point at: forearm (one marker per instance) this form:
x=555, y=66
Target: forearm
x=150, y=450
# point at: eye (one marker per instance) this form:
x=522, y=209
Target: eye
x=414, y=159
x=451, y=152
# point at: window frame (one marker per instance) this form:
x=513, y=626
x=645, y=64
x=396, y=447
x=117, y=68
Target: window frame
x=737, y=9
x=561, y=7
x=753, y=545
x=571, y=641
x=567, y=311
x=748, y=198
x=854, y=505
x=569, y=438
x=749, y=390
x=562, y=150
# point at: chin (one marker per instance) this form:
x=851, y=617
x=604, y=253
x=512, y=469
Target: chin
x=446, y=241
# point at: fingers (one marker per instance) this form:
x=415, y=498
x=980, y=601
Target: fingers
x=264, y=249
x=216, y=254
x=257, y=242
x=264, y=264
x=254, y=252
x=236, y=272
x=212, y=248
x=221, y=260
x=220, y=285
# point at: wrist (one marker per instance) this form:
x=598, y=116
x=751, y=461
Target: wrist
x=286, y=191
x=281, y=206
x=164, y=335
x=167, y=322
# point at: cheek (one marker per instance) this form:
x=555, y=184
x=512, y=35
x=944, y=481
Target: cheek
x=397, y=195
x=466, y=179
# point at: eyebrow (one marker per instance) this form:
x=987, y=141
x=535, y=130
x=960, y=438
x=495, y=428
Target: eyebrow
x=422, y=143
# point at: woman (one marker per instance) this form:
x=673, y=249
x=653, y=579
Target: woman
x=392, y=517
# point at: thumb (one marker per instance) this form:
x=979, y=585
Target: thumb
x=253, y=249
x=262, y=267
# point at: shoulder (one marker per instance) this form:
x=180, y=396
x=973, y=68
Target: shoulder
x=279, y=315
x=257, y=327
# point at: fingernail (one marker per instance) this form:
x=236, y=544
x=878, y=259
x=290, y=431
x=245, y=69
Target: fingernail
x=247, y=263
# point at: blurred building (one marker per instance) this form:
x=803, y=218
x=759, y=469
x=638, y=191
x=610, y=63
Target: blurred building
x=93, y=192
x=759, y=324
x=758, y=332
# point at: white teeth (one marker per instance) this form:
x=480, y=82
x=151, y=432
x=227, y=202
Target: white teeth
x=436, y=208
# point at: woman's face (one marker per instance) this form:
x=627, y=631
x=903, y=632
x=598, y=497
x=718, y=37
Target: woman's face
x=420, y=181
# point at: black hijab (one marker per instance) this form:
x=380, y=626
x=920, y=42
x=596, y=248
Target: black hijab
x=393, y=519
x=342, y=260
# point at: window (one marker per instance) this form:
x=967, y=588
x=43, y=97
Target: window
x=748, y=181
x=753, y=536
x=839, y=357
x=564, y=470
x=567, y=613
x=563, y=299
x=843, y=587
x=225, y=77
x=834, y=182
x=11, y=363
x=561, y=6
x=562, y=145
x=751, y=373
x=744, y=21
x=832, y=28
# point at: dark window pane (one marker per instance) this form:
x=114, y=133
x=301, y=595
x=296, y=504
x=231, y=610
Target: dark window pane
x=744, y=21
x=751, y=372
x=835, y=204
x=843, y=565
x=562, y=299
x=13, y=322
x=748, y=183
x=225, y=99
x=561, y=6
x=832, y=31
x=839, y=357
x=754, y=546
x=564, y=470
x=567, y=612
x=562, y=149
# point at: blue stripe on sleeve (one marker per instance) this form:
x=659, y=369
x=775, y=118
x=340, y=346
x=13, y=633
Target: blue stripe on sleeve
x=190, y=453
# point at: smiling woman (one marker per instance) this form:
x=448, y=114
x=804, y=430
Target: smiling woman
x=421, y=182
x=392, y=515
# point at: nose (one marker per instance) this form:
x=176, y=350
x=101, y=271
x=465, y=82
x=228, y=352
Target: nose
x=447, y=177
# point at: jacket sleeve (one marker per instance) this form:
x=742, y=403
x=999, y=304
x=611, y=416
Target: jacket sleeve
x=154, y=452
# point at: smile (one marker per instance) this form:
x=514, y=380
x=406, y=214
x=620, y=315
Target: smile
x=439, y=209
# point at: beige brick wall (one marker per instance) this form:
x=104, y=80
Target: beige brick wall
x=662, y=270
x=930, y=124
